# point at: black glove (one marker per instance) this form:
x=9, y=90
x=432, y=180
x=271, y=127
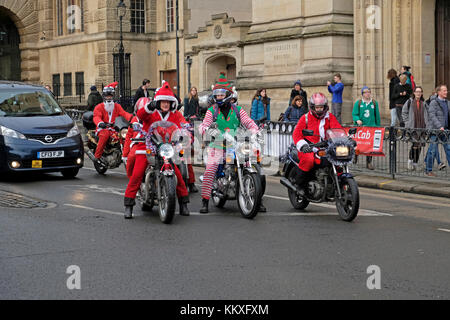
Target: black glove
x=306, y=149
x=102, y=125
x=354, y=143
x=151, y=106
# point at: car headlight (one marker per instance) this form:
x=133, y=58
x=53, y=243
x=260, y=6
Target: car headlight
x=166, y=151
x=73, y=132
x=7, y=132
x=342, y=151
x=123, y=133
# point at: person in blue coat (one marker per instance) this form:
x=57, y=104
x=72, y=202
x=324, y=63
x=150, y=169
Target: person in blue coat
x=337, y=90
x=295, y=111
x=260, y=106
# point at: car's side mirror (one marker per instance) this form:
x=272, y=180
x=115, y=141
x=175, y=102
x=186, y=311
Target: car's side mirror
x=308, y=133
x=352, y=131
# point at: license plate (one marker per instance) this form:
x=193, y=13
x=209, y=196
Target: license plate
x=36, y=164
x=50, y=154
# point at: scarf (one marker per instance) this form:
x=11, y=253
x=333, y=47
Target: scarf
x=419, y=115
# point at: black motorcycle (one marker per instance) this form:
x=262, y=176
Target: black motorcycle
x=240, y=177
x=112, y=154
x=330, y=181
x=165, y=143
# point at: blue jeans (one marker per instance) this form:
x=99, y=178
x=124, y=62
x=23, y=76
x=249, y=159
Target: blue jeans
x=433, y=152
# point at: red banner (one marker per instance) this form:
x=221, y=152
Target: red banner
x=369, y=140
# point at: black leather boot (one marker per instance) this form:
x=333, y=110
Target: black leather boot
x=184, y=211
x=129, y=204
x=204, y=209
x=193, y=188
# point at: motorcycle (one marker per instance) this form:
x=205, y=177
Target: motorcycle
x=330, y=181
x=112, y=154
x=165, y=144
x=239, y=177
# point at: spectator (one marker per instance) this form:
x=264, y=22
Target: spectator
x=260, y=106
x=298, y=91
x=295, y=111
x=402, y=92
x=191, y=105
x=366, y=113
x=441, y=165
x=415, y=115
x=406, y=71
x=439, y=120
x=142, y=92
x=94, y=99
x=337, y=90
x=394, y=80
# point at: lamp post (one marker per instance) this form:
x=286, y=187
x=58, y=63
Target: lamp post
x=121, y=12
x=177, y=48
x=188, y=61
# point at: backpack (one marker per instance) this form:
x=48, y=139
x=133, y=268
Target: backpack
x=233, y=107
x=375, y=103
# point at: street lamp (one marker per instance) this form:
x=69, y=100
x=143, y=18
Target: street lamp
x=188, y=61
x=121, y=12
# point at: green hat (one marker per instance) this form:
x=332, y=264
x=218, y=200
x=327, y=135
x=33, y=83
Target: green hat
x=223, y=83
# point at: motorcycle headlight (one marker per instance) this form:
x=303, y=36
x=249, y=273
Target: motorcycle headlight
x=166, y=151
x=123, y=133
x=73, y=132
x=244, y=149
x=7, y=132
x=342, y=151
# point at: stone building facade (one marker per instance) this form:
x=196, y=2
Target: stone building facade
x=259, y=43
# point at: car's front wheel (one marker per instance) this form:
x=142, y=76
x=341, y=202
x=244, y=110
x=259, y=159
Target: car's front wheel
x=70, y=173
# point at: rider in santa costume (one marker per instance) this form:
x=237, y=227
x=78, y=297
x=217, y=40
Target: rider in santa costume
x=162, y=108
x=129, y=157
x=319, y=120
x=106, y=113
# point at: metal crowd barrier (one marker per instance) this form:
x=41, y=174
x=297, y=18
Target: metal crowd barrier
x=397, y=146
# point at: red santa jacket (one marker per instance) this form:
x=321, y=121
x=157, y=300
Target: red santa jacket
x=148, y=118
x=131, y=134
x=319, y=126
x=101, y=115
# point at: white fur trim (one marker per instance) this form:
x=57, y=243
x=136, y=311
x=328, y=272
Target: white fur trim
x=300, y=144
x=141, y=151
x=164, y=118
x=322, y=125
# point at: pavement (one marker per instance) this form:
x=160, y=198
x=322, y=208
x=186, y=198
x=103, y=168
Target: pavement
x=417, y=185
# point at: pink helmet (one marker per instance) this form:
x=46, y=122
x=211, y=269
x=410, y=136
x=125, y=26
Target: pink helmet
x=141, y=103
x=318, y=99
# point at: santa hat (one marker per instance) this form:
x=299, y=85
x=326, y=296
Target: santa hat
x=166, y=94
x=111, y=86
x=223, y=83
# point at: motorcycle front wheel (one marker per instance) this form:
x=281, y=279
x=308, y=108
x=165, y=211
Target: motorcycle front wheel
x=348, y=205
x=167, y=200
x=297, y=201
x=249, y=199
x=100, y=168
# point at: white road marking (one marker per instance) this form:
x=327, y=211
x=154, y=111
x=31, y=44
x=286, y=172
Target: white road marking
x=110, y=171
x=98, y=188
x=93, y=209
x=362, y=212
x=444, y=230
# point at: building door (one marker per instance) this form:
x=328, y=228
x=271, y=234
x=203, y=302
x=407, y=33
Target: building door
x=443, y=42
x=9, y=49
x=171, y=78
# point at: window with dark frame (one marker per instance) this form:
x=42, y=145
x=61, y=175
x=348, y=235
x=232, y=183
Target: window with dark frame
x=72, y=21
x=59, y=17
x=79, y=83
x=170, y=16
x=137, y=8
x=67, y=84
x=56, y=85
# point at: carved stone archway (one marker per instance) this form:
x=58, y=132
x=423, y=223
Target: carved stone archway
x=218, y=63
x=24, y=15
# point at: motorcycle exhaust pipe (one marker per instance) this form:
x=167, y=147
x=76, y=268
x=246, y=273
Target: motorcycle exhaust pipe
x=90, y=155
x=285, y=182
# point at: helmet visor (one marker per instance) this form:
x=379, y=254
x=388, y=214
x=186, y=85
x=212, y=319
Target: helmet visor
x=220, y=92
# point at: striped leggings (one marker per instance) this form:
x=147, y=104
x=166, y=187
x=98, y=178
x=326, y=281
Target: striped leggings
x=215, y=158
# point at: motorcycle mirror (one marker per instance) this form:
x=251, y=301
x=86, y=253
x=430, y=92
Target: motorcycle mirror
x=308, y=133
x=352, y=131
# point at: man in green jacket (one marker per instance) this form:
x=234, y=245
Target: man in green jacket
x=366, y=113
